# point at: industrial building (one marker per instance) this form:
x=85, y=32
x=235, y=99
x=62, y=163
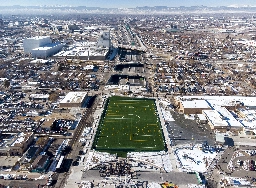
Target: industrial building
x=35, y=42
x=88, y=50
x=84, y=51
x=73, y=99
x=219, y=111
x=47, y=50
x=217, y=120
x=15, y=144
x=40, y=164
x=41, y=47
x=104, y=40
x=193, y=107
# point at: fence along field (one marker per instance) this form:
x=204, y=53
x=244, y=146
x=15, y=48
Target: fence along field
x=129, y=124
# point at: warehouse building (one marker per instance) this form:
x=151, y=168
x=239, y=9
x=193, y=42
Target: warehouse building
x=74, y=99
x=83, y=53
x=35, y=42
x=221, y=119
x=218, y=111
x=47, y=50
x=15, y=144
x=193, y=106
x=41, y=47
x=40, y=164
x=104, y=40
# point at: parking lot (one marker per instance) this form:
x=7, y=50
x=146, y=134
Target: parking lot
x=186, y=131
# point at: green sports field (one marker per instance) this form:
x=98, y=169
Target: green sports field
x=129, y=124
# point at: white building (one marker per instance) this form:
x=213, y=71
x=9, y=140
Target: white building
x=104, y=40
x=88, y=67
x=46, y=50
x=39, y=96
x=84, y=51
x=35, y=42
x=73, y=99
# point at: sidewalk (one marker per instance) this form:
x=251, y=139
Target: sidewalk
x=167, y=140
x=74, y=177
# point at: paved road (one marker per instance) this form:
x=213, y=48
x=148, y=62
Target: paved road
x=23, y=183
x=76, y=172
x=175, y=177
x=179, y=178
x=86, y=121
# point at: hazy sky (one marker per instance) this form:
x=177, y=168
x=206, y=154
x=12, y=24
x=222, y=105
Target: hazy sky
x=128, y=3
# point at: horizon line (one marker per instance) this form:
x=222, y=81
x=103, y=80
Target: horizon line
x=228, y=6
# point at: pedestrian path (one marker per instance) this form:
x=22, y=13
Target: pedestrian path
x=75, y=177
x=167, y=140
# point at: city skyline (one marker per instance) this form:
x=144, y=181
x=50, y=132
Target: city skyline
x=130, y=4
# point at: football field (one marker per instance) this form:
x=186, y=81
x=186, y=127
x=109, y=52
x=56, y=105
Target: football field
x=129, y=124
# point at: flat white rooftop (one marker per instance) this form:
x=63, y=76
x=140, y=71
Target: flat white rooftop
x=218, y=115
x=48, y=46
x=40, y=96
x=74, y=97
x=195, y=104
x=82, y=51
x=214, y=117
x=224, y=100
x=38, y=38
x=201, y=117
x=39, y=61
x=249, y=121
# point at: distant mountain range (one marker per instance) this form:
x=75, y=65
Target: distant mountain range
x=138, y=10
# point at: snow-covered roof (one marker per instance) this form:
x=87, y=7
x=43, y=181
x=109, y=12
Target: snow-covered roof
x=195, y=104
x=214, y=118
x=74, y=97
x=201, y=117
x=224, y=100
x=40, y=96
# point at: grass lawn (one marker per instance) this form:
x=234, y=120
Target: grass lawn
x=129, y=124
